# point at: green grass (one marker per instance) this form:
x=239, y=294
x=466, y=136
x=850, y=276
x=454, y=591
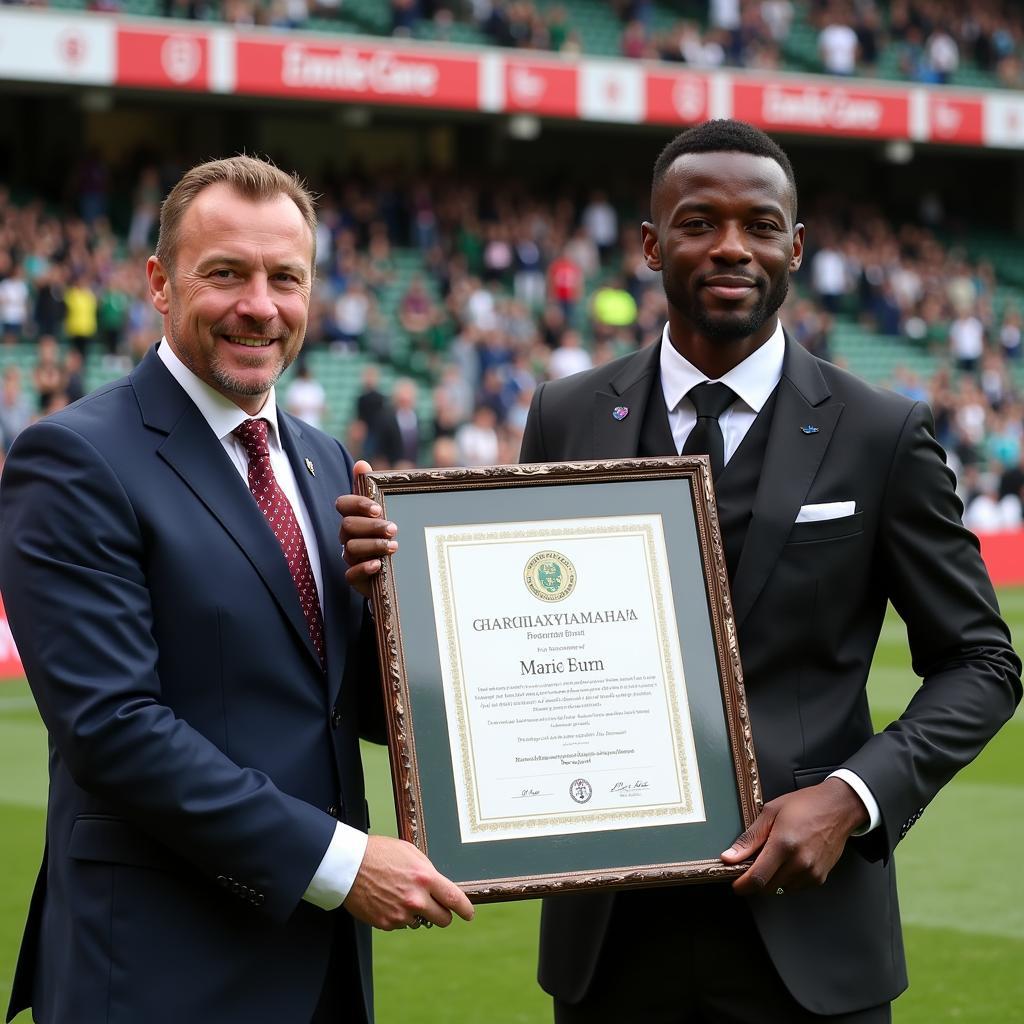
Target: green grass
x=962, y=900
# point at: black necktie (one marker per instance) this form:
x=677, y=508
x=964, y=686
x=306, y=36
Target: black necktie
x=710, y=401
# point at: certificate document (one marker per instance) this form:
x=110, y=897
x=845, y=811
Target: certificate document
x=562, y=677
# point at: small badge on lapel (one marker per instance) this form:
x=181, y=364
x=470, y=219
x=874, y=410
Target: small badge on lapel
x=809, y=429
x=312, y=471
x=620, y=412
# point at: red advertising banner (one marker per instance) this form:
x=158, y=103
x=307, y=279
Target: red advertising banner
x=163, y=60
x=677, y=98
x=823, y=108
x=10, y=663
x=536, y=88
x=956, y=119
x=1004, y=556
x=347, y=71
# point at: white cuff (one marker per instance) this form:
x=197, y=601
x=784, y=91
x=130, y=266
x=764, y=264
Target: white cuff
x=867, y=798
x=338, y=869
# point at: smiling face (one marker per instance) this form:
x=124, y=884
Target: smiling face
x=236, y=301
x=725, y=241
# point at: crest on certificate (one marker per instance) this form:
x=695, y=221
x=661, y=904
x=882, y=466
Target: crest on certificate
x=550, y=576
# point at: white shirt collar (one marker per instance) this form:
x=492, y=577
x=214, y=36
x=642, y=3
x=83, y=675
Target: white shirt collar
x=753, y=380
x=219, y=412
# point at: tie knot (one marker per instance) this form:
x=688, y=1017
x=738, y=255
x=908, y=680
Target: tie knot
x=711, y=399
x=253, y=435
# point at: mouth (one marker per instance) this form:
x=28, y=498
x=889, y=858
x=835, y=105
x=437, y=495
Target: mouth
x=729, y=287
x=248, y=340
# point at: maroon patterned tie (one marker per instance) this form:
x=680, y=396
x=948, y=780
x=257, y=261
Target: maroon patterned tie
x=276, y=507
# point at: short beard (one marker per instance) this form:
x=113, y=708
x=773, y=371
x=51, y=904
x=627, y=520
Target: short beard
x=224, y=380
x=717, y=328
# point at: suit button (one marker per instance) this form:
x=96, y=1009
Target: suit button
x=335, y=718
x=333, y=811
x=258, y=899
x=222, y=880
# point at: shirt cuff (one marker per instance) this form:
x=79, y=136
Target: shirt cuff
x=867, y=798
x=338, y=869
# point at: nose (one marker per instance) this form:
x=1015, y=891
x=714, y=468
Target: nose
x=255, y=300
x=731, y=245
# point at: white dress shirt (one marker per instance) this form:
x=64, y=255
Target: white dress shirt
x=337, y=871
x=753, y=380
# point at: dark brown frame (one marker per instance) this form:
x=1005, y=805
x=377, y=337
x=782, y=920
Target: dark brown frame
x=406, y=754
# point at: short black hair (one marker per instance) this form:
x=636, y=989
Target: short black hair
x=723, y=135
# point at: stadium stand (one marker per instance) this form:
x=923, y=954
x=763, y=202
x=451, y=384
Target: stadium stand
x=460, y=288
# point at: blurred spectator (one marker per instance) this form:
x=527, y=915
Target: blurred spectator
x=14, y=300
x=305, y=397
x=967, y=340
x=477, y=441
x=74, y=375
x=351, y=313
x=15, y=408
x=47, y=374
x=601, y=223
x=570, y=356
x=80, y=317
x=612, y=308
x=838, y=44
x=398, y=429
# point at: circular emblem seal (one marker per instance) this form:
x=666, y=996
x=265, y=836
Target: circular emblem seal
x=550, y=576
x=580, y=790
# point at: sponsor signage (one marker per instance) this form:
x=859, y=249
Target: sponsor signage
x=822, y=108
x=163, y=60
x=956, y=119
x=10, y=662
x=100, y=49
x=302, y=66
x=43, y=48
x=677, y=99
x=540, y=88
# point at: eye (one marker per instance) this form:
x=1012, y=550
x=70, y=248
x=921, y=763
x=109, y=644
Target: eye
x=765, y=226
x=695, y=225
x=223, y=274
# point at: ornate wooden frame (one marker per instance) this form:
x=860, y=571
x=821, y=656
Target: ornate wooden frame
x=405, y=753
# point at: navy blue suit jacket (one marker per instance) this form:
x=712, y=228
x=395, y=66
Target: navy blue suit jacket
x=198, y=753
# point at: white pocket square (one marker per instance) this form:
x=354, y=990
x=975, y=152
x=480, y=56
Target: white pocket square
x=825, y=510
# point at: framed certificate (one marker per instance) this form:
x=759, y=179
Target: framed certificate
x=563, y=685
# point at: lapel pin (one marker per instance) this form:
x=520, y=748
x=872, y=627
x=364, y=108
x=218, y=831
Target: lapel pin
x=809, y=429
x=620, y=412
x=312, y=471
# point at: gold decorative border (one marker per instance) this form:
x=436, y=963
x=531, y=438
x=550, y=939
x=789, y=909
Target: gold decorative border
x=443, y=542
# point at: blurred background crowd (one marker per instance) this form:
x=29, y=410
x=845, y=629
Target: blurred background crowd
x=441, y=301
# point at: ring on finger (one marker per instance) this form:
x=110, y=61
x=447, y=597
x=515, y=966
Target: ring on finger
x=419, y=919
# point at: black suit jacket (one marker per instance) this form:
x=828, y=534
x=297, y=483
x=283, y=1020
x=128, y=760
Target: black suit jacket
x=199, y=756
x=809, y=600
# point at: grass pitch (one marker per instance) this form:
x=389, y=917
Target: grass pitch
x=962, y=899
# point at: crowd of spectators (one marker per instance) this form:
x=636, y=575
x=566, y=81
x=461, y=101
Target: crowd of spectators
x=931, y=38
x=472, y=292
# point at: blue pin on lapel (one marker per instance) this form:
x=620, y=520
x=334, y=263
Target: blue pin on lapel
x=809, y=429
x=620, y=412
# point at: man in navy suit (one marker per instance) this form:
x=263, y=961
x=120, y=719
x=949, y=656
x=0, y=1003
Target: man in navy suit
x=170, y=565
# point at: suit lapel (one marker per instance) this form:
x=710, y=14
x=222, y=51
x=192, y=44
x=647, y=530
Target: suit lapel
x=617, y=436
x=791, y=460
x=197, y=456
x=319, y=501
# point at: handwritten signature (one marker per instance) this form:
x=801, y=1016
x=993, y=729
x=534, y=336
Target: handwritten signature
x=627, y=788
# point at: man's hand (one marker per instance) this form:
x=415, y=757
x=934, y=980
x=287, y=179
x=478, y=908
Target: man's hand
x=396, y=884
x=800, y=836
x=365, y=535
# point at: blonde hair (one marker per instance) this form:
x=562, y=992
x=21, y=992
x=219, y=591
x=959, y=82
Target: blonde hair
x=249, y=176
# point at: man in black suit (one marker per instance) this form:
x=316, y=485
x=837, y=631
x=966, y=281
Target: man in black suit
x=834, y=498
